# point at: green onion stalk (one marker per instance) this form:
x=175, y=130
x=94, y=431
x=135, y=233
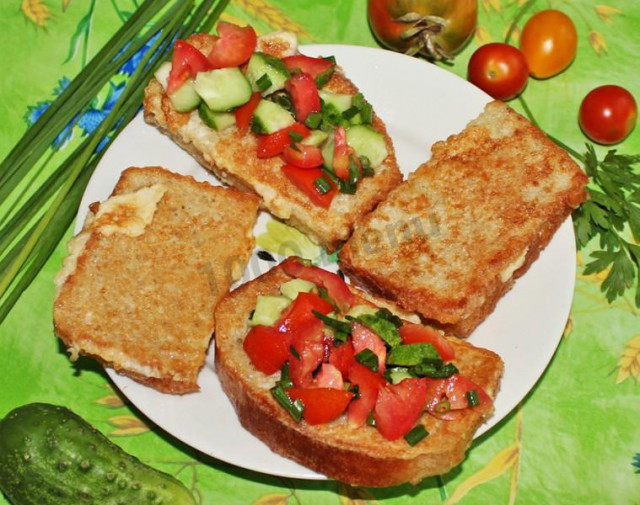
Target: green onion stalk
x=36, y=218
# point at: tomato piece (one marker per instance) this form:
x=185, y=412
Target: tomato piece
x=303, y=156
x=274, y=143
x=440, y=28
x=306, y=353
x=329, y=377
x=304, y=95
x=305, y=180
x=499, y=70
x=416, y=333
x=299, y=315
x=186, y=62
x=267, y=348
x=244, y=113
x=364, y=338
x=398, y=407
x=456, y=391
x=321, y=405
x=549, y=41
x=369, y=383
x=608, y=114
x=337, y=289
x=234, y=46
x=315, y=67
x=341, y=357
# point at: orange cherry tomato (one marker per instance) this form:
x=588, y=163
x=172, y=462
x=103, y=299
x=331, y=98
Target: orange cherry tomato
x=549, y=41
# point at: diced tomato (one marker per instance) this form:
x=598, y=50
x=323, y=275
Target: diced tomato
x=299, y=315
x=303, y=156
x=364, y=338
x=337, y=289
x=234, y=46
x=267, y=348
x=321, y=405
x=343, y=155
x=305, y=180
x=244, y=113
x=274, y=143
x=186, y=62
x=329, y=377
x=368, y=383
x=304, y=94
x=398, y=407
x=306, y=353
x=457, y=389
x=416, y=333
x=341, y=357
x=308, y=64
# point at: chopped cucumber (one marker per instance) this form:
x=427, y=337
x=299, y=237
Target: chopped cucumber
x=327, y=152
x=185, y=98
x=397, y=374
x=270, y=117
x=162, y=74
x=361, y=310
x=369, y=143
x=223, y=89
x=216, y=120
x=340, y=101
x=266, y=73
x=268, y=309
x=315, y=138
x=291, y=288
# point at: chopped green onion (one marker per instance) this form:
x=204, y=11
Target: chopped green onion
x=355, y=389
x=472, y=398
x=295, y=137
x=384, y=328
x=368, y=358
x=263, y=82
x=371, y=421
x=436, y=369
x=366, y=114
x=351, y=112
x=416, y=434
x=313, y=120
x=388, y=315
x=295, y=352
x=336, y=324
x=322, y=185
x=443, y=407
x=294, y=408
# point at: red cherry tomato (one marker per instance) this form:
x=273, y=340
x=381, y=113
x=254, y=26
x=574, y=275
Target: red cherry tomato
x=608, y=114
x=304, y=95
x=306, y=353
x=549, y=41
x=274, y=143
x=416, y=333
x=316, y=67
x=298, y=316
x=244, y=113
x=364, y=338
x=369, y=383
x=499, y=70
x=234, y=46
x=321, y=405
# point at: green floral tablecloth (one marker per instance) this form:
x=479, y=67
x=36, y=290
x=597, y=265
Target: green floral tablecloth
x=574, y=439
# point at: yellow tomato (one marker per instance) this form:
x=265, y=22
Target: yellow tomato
x=549, y=42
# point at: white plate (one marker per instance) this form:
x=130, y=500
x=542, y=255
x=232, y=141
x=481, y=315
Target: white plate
x=420, y=103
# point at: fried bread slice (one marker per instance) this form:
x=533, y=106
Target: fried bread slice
x=354, y=455
x=230, y=155
x=139, y=288
x=452, y=239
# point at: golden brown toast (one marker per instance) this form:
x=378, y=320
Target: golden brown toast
x=139, y=288
x=357, y=456
x=230, y=155
x=452, y=239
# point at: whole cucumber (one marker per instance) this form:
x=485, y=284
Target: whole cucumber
x=51, y=456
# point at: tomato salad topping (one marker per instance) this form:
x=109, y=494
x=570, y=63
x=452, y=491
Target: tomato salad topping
x=338, y=354
x=325, y=140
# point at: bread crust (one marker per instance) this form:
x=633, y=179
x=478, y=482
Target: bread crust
x=450, y=241
x=144, y=304
x=230, y=155
x=356, y=456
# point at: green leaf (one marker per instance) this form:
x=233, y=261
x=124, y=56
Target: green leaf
x=81, y=30
x=620, y=277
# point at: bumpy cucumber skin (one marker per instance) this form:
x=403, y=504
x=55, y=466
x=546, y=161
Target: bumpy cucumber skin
x=51, y=456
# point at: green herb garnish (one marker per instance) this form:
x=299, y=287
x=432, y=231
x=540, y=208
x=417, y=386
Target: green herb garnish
x=263, y=82
x=382, y=327
x=368, y=358
x=472, y=398
x=417, y=433
x=412, y=354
